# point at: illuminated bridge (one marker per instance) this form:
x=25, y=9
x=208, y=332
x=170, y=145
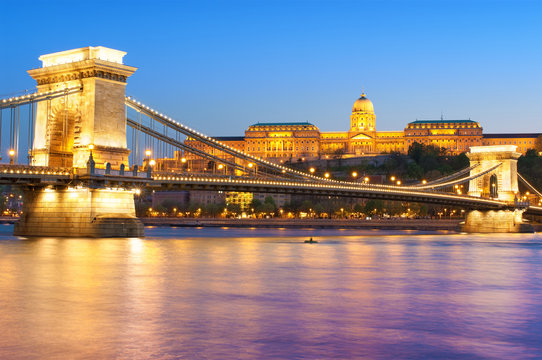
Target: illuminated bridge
x=79, y=147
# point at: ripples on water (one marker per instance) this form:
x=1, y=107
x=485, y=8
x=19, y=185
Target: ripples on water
x=256, y=294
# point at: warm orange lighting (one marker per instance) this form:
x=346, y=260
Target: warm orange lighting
x=312, y=170
x=424, y=182
x=354, y=174
x=183, y=160
x=398, y=182
x=220, y=166
x=366, y=179
x=148, y=153
x=91, y=147
x=326, y=175
x=137, y=191
x=152, y=163
x=11, y=152
x=250, y=165
x=392, y=178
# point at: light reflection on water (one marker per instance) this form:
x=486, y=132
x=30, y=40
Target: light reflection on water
x=263, y=293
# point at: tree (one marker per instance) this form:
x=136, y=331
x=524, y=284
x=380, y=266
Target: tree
x=213, y=209
x=338, y=155
x=234, y=208
x=538, y=144
x=359, y=208
x=414, y=171
x=168, y=205
x=257, y=205
x=193, y=207
x=318, y=209
x=374, y=207
x=306, y=206
x=269, y=203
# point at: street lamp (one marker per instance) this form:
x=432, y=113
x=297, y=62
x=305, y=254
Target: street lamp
x=354, y=174
x=366, y=179
x=398, y=182
x=11, y=156
x=326, y=175
x=148, y=153
x=312, y=170
x=392, y=178
x=424, y=182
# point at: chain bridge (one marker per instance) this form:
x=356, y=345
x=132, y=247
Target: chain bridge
x=80, y=148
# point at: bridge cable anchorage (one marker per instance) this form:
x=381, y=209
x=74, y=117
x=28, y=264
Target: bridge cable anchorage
x=153, y=114
x=531, y=187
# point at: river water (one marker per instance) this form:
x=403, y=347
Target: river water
x=191, y=293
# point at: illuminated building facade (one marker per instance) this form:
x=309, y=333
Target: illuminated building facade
x=524, y=142
x=456, y=136
x=298, y=141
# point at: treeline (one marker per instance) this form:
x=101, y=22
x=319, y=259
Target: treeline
x=422, y=162
x=530, y=166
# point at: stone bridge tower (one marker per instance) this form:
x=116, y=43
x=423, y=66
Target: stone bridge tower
x=66, y=126
x=501, y=183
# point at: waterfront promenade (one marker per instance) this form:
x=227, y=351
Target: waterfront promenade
x=391, y=224
x=382, y=224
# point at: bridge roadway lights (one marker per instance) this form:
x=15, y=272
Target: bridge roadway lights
x=78, y=212
x=496, y=221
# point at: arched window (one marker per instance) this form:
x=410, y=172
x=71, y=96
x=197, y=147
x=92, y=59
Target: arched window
x=493, y=186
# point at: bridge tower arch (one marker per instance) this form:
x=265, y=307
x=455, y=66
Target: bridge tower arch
x=66, y=126
x=500, y=183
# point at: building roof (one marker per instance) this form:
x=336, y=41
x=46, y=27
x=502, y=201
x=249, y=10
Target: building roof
x=442, y=121
x=283, y=124
x=364, y=105
x=229, y=138
x=510, y=136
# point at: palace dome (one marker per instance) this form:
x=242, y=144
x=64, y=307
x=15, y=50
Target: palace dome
x=363, y=104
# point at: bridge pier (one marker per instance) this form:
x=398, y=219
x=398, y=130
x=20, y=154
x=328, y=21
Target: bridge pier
x=495, y=221
x=78, y=212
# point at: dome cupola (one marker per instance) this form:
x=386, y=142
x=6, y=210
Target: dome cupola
x=363, y=105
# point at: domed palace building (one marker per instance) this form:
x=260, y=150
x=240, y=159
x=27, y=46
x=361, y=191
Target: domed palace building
x=293, y=141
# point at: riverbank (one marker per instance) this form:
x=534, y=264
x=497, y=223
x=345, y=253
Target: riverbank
x=389, y=224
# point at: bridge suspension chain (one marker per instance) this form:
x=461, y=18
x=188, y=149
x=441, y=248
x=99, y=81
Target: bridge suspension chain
x=38, y=96
x=531, y=187
x=446, y=178
x=176, y=126
x=154, y=134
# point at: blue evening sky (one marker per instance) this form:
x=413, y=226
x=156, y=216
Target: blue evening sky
x=220, y=66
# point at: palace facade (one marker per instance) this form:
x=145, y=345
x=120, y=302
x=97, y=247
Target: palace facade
x=294, y=141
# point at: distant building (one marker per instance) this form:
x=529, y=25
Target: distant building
x=294, y=141
x=456, y=136
x=524, y=142
x=243, y=199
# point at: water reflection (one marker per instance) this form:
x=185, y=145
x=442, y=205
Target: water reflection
x=227, y=293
